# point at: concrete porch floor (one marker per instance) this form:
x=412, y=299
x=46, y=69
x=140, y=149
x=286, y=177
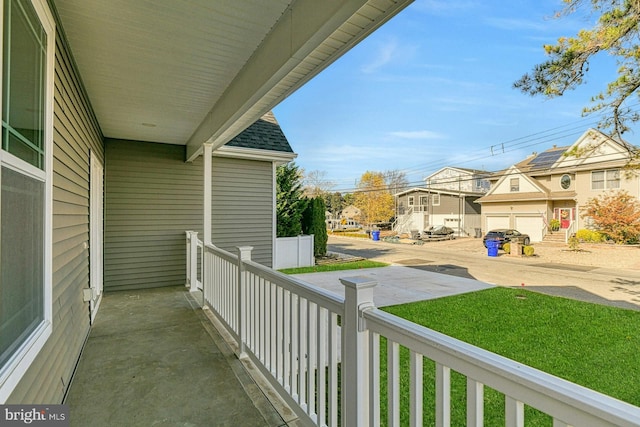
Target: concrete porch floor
x=154, y=358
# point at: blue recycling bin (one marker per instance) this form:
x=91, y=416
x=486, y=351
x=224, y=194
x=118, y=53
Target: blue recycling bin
x=492, y=247
x=375, y=234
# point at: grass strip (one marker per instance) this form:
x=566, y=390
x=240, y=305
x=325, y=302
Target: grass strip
x=354, y=265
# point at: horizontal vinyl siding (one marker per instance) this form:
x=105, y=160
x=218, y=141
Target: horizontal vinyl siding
x=75, y=133
x=448, y=204
x=152, y=198
x=242, y=206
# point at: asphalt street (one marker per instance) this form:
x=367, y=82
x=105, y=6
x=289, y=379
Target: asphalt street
x=616, y=287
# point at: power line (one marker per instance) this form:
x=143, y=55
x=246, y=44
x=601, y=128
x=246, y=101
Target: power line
x=536, y=139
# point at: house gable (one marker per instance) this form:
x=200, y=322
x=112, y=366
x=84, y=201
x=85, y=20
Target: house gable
x=592, y=148
x=458, y=179
x=525, y=184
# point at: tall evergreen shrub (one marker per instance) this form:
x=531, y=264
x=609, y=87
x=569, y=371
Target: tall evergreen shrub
x=290, y=203
x=313, y=222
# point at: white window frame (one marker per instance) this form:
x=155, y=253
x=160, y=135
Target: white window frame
x=514, y=185
x=15, y=368
x=435, y=199
x=606, y=180
x=410, y=201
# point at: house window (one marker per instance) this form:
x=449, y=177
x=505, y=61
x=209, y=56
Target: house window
x=515, y=184
x=435, y=199
x=565, y=182
x=410, y=201
x=605, y=180
x=424, y=200
x=25, y=183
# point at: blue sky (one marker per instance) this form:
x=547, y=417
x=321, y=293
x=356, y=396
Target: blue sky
x=433, y=88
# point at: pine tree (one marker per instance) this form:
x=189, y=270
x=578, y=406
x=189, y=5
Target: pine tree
x=615, y=33
x=289, y=201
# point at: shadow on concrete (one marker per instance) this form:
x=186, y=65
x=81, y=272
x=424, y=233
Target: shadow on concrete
x=567, y=267
x=625, y=282
x=363, y=253
x=449, y=269
x=573, y=292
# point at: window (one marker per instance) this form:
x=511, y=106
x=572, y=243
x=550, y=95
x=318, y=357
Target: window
x=515, y=184
x=424, y=200
x=410, y=203
x=605, y=180
x=26, y=186
x=435, y=199
x=565, y=182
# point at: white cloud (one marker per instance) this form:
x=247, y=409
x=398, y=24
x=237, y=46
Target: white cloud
x=386, y=53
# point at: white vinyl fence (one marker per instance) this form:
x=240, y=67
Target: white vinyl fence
x=292, y=252
x=324, y=355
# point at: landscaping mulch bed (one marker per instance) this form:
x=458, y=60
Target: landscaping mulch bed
x=336, y=258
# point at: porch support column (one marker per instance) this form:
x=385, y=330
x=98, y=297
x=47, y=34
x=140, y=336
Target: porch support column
x=355, y=351
x=208, y=151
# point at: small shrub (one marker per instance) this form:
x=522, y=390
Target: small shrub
x=528, y=250
x=574, y=243
x=507, y=248
x=584, y=235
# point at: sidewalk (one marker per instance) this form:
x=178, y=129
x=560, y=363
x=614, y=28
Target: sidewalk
x=153, y=358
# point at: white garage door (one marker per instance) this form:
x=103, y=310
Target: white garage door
x=531, y=225
x=494, y=222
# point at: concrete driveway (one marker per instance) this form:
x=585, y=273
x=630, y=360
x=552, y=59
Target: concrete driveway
x=398, y=284
x=603, y=282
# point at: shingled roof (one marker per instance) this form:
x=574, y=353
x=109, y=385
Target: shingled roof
x=264, y=134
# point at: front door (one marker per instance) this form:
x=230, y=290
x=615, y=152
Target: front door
x=565, y=218
x=96, y=232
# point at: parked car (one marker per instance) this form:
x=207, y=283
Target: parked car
x=504, y=235
x=438, y=231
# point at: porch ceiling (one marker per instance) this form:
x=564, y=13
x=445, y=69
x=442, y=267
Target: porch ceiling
x=191, y=72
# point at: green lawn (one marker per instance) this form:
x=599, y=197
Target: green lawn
x=592, y=345
x=355, y=265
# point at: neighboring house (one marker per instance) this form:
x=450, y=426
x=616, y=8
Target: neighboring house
x=459, y=179
x=449, y=199
x=118, y=134
x=350, y=213
x=554, y=185
x=419, y=208
x=347, y=219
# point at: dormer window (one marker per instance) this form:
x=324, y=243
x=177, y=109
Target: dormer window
x=515, y=185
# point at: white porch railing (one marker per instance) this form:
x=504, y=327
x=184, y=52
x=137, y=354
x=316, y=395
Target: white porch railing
x=570, y=231
x=310, y=344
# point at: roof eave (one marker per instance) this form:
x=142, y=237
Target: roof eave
x=314, y=34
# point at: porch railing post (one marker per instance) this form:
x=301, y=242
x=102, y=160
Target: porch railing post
x=188, y=272
x=244, y=254
x=193, y=262
x=355, y=351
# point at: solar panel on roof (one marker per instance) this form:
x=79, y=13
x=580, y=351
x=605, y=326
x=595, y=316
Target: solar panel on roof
x=546, y=159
